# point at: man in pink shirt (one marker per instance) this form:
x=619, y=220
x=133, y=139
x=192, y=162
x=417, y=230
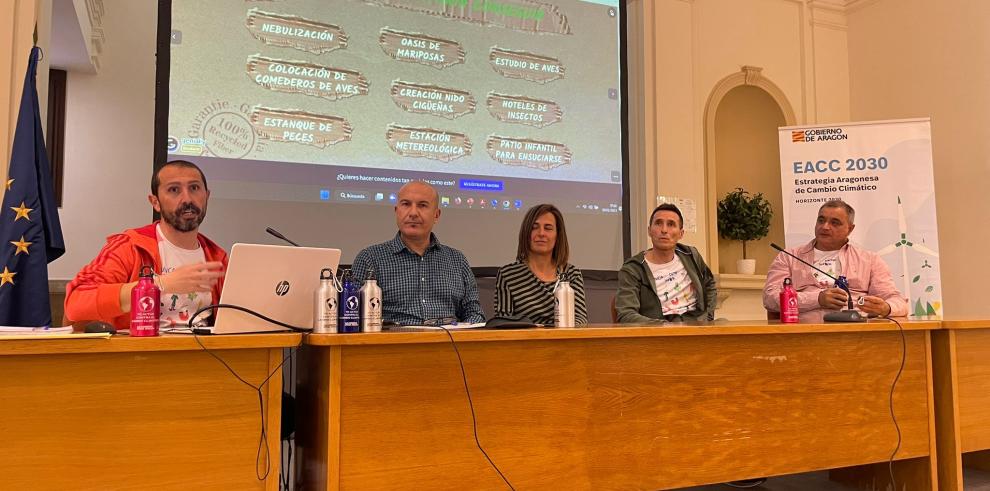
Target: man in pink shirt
x=870, y=282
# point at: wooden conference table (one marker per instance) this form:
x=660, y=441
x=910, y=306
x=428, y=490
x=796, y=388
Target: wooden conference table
x=616, y=407
x=961, y=363
x=138, y=413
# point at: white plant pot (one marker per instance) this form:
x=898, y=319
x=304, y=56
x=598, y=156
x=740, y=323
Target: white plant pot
x=746, y=266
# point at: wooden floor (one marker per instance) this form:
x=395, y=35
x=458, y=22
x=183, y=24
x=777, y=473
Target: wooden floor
x=975, y=480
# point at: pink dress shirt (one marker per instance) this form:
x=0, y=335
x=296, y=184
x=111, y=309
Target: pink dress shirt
x=866, y=272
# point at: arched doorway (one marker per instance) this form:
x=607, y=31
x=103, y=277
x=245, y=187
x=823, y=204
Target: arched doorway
x=741, y=121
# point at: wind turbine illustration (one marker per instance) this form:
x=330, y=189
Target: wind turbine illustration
x=903, y=243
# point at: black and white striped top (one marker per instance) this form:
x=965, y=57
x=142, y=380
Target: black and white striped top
x=518, y=292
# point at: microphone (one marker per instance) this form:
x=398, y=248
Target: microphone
x=280, y=236
x=848, y=315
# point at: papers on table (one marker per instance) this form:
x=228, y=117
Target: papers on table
x=12, y=330
x=14, y=333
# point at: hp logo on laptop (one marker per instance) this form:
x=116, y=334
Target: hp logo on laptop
x=282, y=288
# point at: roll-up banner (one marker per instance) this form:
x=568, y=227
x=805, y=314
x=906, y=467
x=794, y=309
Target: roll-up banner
x=883, y=169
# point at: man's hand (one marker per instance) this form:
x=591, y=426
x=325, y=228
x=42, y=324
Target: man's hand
x=191, y=278
x=874, y=306
x=832, y=298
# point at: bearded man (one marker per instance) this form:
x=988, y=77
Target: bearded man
x=188, y=267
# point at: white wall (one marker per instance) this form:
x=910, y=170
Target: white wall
x=108, y=139
x=916, y=58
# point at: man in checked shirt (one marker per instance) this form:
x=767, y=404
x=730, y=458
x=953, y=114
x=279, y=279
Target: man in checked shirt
x=423, y=282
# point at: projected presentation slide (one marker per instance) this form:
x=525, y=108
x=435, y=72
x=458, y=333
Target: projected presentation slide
x=498, y=103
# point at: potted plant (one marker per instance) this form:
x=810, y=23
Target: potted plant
x=744, y=217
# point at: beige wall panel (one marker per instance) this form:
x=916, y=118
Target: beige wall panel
x=915, y=58
x=679, y=167
x=747, y=153
x=766, y=34
x=831, y=75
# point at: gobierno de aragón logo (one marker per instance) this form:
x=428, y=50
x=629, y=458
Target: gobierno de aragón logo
x=818, y=134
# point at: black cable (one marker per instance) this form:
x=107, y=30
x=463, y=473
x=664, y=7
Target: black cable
x=263, y=436
x=474, y=419
x=283, y=476
x=283, y=479
x=890, y=462
x=216, y=306
x=287, y=469
x=264, y=431
x=288, y=474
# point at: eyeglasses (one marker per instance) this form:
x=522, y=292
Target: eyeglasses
x=440, y=322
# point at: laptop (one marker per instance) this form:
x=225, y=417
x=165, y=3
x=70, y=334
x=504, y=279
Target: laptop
x=276, y=281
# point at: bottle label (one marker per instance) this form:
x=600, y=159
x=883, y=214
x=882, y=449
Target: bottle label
x=375, y=309
x=373, y=313
x=350, y=313
x=788, y=307
x=327, y=313
x=144, y=310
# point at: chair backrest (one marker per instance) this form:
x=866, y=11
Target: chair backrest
x=615, y=314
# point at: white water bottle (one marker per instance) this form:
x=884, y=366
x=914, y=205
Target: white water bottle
x=563, y=296
x=325, y=303
x=371, y=304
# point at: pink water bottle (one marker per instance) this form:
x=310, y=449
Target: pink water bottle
x=145, y=298
x=788, y=303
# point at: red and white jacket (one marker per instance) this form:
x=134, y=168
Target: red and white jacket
x=94, y=294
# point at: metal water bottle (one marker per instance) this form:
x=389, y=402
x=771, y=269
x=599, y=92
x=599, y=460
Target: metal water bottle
x=325, y=303
x=563, y=312
x=788, y=303
x=349, y=306
x=371, y=304
x=145, y=304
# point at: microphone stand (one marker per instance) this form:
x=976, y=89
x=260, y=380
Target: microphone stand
x=848, y=315
x=280, y=236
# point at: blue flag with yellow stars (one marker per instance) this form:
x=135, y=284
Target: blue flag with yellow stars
x=30, y=233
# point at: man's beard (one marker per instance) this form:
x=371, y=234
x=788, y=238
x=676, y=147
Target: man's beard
x=184, y=224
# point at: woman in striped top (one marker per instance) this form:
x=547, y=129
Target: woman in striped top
x=525, y=287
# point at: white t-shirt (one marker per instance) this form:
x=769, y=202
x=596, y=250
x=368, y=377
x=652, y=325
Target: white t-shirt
x=176, y=308
x=674, y=287
x=827, y=261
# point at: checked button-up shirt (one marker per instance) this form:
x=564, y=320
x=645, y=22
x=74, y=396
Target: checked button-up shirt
x=416, y=290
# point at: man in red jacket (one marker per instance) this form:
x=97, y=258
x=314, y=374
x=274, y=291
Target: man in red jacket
x=189, y=267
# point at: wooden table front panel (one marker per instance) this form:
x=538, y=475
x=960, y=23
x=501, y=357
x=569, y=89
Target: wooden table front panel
x=136, y=420
x=642, y=413
x=973, y=365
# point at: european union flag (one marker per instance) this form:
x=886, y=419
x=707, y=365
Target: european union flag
x=30, y=233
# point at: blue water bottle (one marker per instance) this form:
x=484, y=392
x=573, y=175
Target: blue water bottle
x=349, y=307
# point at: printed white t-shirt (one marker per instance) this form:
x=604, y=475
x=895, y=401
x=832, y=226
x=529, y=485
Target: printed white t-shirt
x=176, y=308
x=827, y=261
x=674, y=287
